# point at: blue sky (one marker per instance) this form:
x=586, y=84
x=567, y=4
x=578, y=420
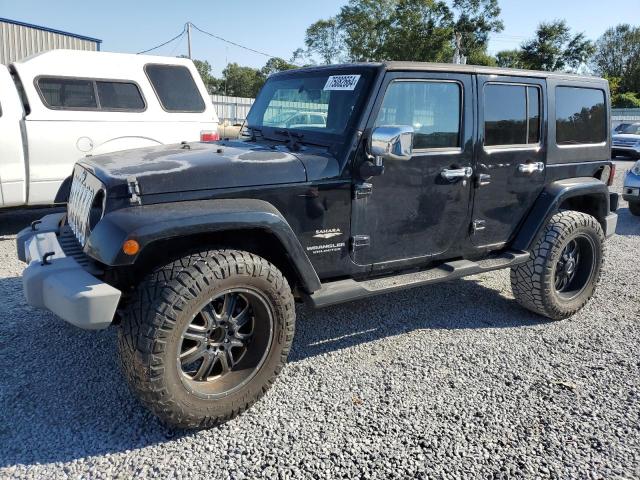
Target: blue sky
x=274, y=26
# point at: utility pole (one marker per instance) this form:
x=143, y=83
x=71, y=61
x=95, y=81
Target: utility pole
x=458, y=58
x=189, y=38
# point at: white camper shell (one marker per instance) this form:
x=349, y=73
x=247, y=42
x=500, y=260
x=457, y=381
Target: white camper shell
x=59, y=106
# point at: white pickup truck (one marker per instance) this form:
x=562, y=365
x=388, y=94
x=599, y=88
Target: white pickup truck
x=59, y=106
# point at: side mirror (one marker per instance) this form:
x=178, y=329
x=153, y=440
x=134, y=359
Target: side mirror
x=392, y=143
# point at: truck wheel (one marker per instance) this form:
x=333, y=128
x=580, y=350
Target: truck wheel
x=564, y=266
x=206, y=335
x=634, y=208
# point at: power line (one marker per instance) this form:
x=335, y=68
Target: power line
x=165, y=43
x=178, y=43
x=217, y=37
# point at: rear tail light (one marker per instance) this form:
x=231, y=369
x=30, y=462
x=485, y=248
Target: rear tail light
x=612, y=174
x=209, y=136
x=606, y=174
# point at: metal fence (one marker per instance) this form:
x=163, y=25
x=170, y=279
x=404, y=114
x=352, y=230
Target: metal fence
x=231, y=110
x=624, y=115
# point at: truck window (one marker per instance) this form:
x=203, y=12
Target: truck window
x=68, y=93
x=119, y=96
x=175, y=88
x=511, y=114
x=80, y=94
x=432, y=108
x=580, y=116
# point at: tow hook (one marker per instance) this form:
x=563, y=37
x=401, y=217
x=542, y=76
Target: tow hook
x=46, y=257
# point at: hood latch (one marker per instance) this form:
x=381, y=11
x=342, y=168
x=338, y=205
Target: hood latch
x=134, y=190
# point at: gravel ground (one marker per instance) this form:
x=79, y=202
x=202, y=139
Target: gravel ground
x=449, y=381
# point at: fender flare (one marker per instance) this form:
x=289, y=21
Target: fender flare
x=149, y=223
x=549, y=201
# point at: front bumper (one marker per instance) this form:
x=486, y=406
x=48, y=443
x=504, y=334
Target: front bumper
x=631, y=188
x=57, y=282
x=617, y=150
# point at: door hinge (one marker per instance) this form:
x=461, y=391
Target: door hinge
x=361, y=190
x=134, y=190
x=478, y=225
x=359, y=242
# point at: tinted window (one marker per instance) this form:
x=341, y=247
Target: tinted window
x=633, y=129
x=323, y=103
x=67, y=93
x=119, y=95
x=580, y=116
x=175, y=87
x=533, y=105
x=511, y=114
x=431, y=108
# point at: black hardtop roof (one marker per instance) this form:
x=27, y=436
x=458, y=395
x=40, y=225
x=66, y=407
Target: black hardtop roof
x=452, y=68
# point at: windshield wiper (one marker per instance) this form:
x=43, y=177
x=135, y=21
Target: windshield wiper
x=253, y=131
x=293, y=138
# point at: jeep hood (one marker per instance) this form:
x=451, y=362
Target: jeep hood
x=204, y=166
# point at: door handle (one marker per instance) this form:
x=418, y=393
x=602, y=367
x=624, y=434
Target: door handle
x=452, y=174
x=530, y=168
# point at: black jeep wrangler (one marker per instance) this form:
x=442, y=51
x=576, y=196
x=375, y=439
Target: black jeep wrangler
x=350, y=181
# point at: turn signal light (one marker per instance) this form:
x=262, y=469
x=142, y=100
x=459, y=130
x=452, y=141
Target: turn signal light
x=130, y=247
x=209, y=136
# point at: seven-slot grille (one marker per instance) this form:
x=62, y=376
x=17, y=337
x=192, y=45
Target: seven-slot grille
x=84, y=189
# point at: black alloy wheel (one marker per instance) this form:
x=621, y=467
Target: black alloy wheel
x=575, y=267
x=225, y=343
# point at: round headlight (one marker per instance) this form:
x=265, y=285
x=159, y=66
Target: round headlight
x=636, y=168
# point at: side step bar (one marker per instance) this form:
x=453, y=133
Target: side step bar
x=341, y=291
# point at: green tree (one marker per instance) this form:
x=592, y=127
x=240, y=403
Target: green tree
x=617, y=56
x=274, y=65
x=324, y=38
x=475, y=21
x=240, y=81
x=509, y=59
x=419, y=30
x=625, y=100
x=555, y=48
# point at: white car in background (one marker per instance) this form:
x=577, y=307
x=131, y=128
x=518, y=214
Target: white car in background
x=626, y=142
x=59, y=106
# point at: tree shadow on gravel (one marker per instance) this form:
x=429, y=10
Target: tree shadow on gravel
x=62, y=396
x=459, y=304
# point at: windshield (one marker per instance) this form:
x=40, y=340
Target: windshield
x=633, y=129
x=317, y=102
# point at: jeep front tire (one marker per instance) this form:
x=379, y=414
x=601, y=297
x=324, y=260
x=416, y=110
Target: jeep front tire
x=564, y=267
x=634, y=208
x=206, y=335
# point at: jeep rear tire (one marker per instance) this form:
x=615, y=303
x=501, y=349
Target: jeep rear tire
x=564, y=267
x=206, y=335
x=634, y=208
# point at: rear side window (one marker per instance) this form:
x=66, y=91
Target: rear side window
x=175, y=87
x=511, y=115
x=90, y=94
x=68, y=93
x=432, y=108
x=581, y=116
x=119, y=96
